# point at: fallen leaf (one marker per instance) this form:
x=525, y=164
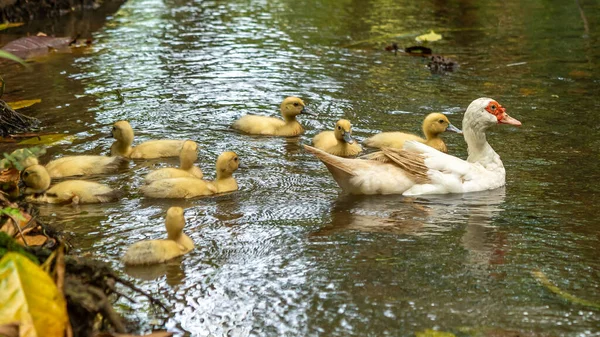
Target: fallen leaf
x=23, y=104
x=9, y=175
x=31, y=46
x=30, y=297
x=32, y=240
x=434, y=333
x=418, y=50
x=7, y=25
x=48, y=139
x=543, y=280
x=431, y=36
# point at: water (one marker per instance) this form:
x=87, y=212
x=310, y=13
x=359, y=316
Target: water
x=288, y=254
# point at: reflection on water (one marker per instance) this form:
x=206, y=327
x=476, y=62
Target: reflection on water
x=289, y=255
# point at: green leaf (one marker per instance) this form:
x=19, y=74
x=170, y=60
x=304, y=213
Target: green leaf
x=431, y=36
x=23, y=104
x=30, y=297
x=48, y=139
x=6, y=55
x=7, y=25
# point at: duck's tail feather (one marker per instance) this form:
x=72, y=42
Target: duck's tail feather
x=412, y=163
x=335, y=164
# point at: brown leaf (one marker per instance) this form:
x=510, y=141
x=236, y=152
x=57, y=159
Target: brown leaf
x=9, y=175
x=32, y=240
x=10, y=329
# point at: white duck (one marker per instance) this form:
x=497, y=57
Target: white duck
x=419, y=169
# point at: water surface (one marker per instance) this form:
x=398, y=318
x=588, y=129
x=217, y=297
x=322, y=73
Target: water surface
x=288, y=254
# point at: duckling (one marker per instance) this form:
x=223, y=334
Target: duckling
x=187, y=187
x=338, y=142
x=123, y=133
x=83, y=165
x=158, y=251
x=270, y=126
x=433, y=125
x=36, y=182
x=187, y=157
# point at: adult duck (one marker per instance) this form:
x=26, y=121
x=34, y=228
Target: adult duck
x=158, y=251
x=338, y=142
x=187, y=157
x=187, y=187
x=418, y=169
x=271, y=126
x=123, y=135
x=434, y=124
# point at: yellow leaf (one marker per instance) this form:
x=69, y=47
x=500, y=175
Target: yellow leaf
x=48, y=139
x=543, y=280
x=7, y=25
x=434, y=333
x=30, y=297
x=432, y=36
x=23, y=104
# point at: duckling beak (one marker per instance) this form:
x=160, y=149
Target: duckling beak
x=452, y=128
x=21, y=184
x=348, y=138
x=306, y=111
x=506, y=119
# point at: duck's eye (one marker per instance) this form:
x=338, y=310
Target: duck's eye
x=296, y=104
x=441, y=121
x=493, y=107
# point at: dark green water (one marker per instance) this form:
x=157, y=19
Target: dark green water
x=287, y=254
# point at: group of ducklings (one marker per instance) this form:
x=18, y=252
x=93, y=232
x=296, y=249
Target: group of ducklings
x=187, y=180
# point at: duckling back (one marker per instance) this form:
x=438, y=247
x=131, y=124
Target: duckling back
x=391, y=139
x=152, y=251
x=84, y=165
x=157, y=149
x=77, y=192
x=184, y=187
x=268, y=126
x=171, y=172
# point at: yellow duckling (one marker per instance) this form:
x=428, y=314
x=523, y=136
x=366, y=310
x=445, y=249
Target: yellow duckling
x=187, y=187
x=338, y=142
x=84, y=165
x=187, y=157
x=123, y=133
x=271, y=126
x=158, y=251
x=433, y=125
x=35, y=181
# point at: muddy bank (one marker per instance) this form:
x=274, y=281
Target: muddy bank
x=28, y=10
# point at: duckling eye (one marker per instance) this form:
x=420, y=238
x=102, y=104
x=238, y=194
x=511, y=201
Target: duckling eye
x=339, y=127
x=441, y=121
x=235, y=159
x=26, y=174
x=296, y=104
x=114, y=128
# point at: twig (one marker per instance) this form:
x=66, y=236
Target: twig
x=132, y=286
x=108, y=310
x=585, y=22
x=16, y=224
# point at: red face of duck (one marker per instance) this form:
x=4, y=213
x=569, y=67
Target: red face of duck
x=497, y=110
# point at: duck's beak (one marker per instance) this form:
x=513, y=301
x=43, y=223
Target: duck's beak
x=506, y=119
x=306, y=111
x=452, y=128
x=348, y=138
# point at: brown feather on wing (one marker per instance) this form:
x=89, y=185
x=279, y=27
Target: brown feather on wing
x=330, y=160
x=411, y=162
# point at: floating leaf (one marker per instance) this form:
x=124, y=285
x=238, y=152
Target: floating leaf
x=23, y=104
x=434, y=333
x=418, y=50
x=31, y=46
x=48, y=139
x=431, y=36
x=9, y=56
x=30, y=297
x=541, y=278
x=7, y=25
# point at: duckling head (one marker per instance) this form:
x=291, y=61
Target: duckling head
x=485, y=112
x=122, y=132
x=35, y=179
x=227, y=163
x=292, y=107
x=174, y=222
x=436, y=123
x=188, y=154
x=343, y=131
